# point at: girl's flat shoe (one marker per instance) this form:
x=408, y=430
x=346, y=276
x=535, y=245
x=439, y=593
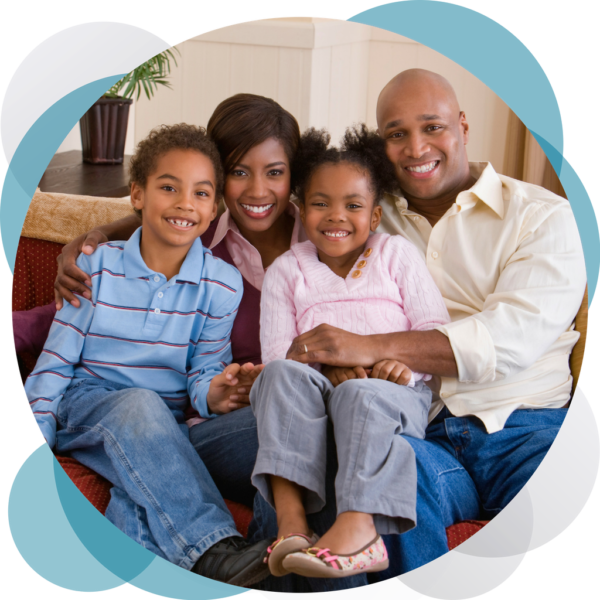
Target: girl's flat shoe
x=319, y=562
x=280, y=548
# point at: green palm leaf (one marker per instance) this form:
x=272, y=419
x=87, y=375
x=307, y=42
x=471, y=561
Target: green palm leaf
x=147, y=77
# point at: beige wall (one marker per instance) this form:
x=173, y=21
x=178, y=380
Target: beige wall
x=326, y=73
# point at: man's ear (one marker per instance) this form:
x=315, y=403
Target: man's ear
x=376, y=218
x=137, y=196
x=462, y=121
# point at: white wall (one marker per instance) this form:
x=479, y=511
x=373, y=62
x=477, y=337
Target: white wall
x=327, y=73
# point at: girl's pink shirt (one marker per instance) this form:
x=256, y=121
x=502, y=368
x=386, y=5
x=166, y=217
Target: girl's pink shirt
x=245, y=256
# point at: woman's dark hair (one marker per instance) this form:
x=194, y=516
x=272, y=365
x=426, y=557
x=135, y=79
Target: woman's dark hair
x=245, y=120
x=359, y=146
x=173, y=137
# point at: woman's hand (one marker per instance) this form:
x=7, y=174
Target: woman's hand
x=337, y=375
x=70, y=278
x=391, y=370
x=230, y=390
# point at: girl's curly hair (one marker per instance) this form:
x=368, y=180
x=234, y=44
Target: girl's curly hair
x=173, y=137
x=359, y=146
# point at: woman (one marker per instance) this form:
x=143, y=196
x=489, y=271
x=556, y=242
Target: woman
x=257, y=140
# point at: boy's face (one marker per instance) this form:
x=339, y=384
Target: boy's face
x=178, y=201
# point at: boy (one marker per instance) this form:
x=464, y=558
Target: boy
x=115, y=375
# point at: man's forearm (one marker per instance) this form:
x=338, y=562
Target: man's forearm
x=422, y=351
x=122, y=229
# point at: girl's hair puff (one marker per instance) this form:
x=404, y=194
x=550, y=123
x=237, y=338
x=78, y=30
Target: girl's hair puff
x=359, y=146
x=173, y=137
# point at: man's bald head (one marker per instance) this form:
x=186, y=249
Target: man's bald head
x=417, y=82
x=425, y=132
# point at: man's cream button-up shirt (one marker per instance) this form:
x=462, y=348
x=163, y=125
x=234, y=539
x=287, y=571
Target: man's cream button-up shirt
x=508, y=260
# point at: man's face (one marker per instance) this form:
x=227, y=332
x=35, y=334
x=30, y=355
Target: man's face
x=425, y=136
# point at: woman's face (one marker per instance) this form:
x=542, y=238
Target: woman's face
x=257, y=190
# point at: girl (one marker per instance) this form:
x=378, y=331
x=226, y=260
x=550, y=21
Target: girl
x=365, y=284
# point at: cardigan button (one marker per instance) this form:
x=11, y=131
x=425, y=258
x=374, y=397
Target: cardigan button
x=362, y=264
x=368, y=252
x=356, y=274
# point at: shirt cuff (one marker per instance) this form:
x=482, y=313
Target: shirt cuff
x=200, y=403
x=473, y=349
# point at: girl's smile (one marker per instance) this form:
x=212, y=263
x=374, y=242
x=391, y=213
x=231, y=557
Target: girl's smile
x=339, y=214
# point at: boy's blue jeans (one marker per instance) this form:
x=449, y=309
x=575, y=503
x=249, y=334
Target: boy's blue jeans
x=163, y=496
x=463, y=473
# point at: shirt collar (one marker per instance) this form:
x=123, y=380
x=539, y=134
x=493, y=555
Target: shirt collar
x=135, y=267
x=487, y=188
x=227, y=224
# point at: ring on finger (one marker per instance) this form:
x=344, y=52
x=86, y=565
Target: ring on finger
x=305, y=349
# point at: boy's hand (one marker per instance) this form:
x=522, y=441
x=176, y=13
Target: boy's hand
x=337, y=375
x=391, y=370
x=230, y=390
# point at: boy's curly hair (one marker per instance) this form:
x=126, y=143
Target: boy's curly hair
x=359, y=146
x=173, y=137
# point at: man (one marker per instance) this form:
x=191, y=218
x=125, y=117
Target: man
x=507, y=258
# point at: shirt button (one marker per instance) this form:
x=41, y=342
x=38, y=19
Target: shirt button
x=156, y=278
x=362, y=264
x=368, y=252
x=160, y=294
x=356, y=274
x=157, y=311
x=416, y=217
x=434, y=254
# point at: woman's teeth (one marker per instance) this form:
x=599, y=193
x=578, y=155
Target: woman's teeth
x=423, y=168
x=336, y=234
x=257, y=209
x=180, y=223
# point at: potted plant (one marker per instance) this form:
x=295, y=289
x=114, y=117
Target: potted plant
x=104, y=126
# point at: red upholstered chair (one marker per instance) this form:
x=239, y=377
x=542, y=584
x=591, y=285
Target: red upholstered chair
x=54, y=219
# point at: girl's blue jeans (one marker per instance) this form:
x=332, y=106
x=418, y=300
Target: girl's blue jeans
x=163, y=495
x=463, y=473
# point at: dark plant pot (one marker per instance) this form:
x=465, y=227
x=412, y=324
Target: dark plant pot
x=103, y=130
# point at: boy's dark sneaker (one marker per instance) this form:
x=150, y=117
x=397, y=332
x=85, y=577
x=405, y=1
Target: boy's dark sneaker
x=233, y=560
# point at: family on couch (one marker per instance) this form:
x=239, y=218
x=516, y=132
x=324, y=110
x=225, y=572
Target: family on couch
x=505, y=256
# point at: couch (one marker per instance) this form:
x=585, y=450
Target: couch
x=55, y=219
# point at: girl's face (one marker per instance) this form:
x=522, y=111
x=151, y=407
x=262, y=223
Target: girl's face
x=257, y=190
x=338, y=210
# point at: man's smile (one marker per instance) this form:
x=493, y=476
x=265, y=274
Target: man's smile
x=423, y=170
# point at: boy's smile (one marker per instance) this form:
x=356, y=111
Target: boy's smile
x=178, y=204
x=338, y=214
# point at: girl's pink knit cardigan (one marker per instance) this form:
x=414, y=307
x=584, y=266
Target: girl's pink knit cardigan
x=394, y=292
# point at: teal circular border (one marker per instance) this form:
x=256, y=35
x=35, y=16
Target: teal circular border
x=515, y=76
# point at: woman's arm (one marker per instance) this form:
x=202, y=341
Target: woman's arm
x=70, y=278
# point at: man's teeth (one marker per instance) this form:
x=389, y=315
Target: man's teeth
x=257, y=209
x=180, y=223
x=336, y=234
x=423, y=168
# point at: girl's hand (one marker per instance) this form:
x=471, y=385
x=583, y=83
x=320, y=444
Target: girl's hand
x=337, y=375
x=70, y=278
x=391, y=370
x=230, y=390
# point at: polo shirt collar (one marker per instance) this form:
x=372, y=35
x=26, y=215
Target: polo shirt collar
x=135, y=267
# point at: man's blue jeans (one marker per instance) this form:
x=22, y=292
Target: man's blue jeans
x=163, y=496
x=457, y=463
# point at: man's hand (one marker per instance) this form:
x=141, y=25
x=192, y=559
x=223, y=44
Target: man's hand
x=337, y=375
x=329, y=345
x=391, y=370
x=230, y=390
x=70, y=278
